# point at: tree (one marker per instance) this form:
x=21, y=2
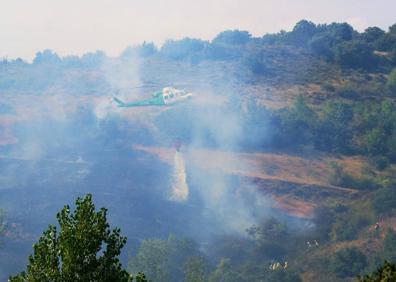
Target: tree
x=354, y=54
x=386, y=42
x=162, y=260
x=375, y=141
x=391, y=83
x=385, y=273
x=392, y=147
x=271, y=238
x=303, y=32
x=297, y=123
x=93, y=60
x=71, y=61
x=327, y=36
x=384, y=202
x=144, y=50
x=255, y=60
x=153, y=259
x=180, y=49
x=147, y=49
x=195, y=269
x=281, y=275
x=392, y=29
x=390, y=245
x=321, y=44
x=348, y=262
x=84, y=250
x=233, y=37
x=224, y=273
x=372, y=34
x=46, y=56
x=324, y=218
x=333, y=131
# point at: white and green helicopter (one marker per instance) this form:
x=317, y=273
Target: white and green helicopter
x=168, y=96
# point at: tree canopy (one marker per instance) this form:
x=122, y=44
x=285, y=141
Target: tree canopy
x=386, y=272
x=84, y=249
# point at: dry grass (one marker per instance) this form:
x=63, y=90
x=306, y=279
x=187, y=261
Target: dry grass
x=271, y=166
x=263, y=168
x=294, y=207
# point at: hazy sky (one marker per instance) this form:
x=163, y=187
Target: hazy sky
x=79, y=26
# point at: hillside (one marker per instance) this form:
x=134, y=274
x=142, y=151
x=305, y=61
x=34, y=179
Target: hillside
x=290, y=139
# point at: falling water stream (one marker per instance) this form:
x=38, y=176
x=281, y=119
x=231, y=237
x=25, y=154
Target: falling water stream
x=179, y=188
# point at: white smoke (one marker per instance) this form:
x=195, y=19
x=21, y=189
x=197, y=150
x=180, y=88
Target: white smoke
x=122, y=75
x=179, y=187
x=104, y=108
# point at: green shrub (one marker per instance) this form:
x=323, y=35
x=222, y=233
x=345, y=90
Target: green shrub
x=390, y=245
x=386, y=273
x=347, y=92
x=391, y=83
x=328, y=87
x=348, y=262
x=384, y=201
x=380, y=162
x=351, y=221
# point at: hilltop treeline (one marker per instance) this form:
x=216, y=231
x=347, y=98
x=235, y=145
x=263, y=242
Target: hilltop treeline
x=335, y=42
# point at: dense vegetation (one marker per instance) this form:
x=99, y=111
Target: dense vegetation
x=386, y=272
x=84, y=250
x=361, y=128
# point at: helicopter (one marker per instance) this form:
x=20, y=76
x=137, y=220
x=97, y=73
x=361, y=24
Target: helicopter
x=167, y=96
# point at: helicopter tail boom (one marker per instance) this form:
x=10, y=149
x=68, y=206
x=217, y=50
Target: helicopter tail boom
x=119, y=102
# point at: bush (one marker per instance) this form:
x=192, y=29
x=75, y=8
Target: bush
x=323, y=219
x=333, y=132
x=46, y=57
x=384, y=201
x=372, y=34
x=181, y=49
x=380, y=163
x=303, y=32
x=354, y=54
x=162, y=260
x=347, y=92
x=390, y=245
x=350, y=221
x=348, y=262
x=385, y=273
x=339, y=177
x=328, y=87
x=391, y=83
x=375, y=141
x=232, y=37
